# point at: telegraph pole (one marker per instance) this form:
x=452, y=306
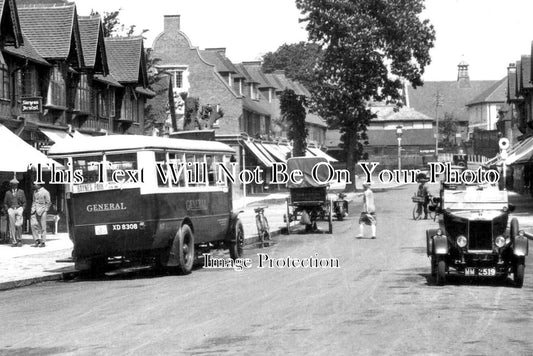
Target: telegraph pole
x=437, y=104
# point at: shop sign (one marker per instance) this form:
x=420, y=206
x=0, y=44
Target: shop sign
x=32, y=105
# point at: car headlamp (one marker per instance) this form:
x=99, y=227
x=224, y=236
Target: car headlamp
x=461, y=241
x=439, y=232
x=499, y=241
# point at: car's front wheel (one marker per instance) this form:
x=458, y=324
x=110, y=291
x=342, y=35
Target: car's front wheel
x=519, y=273
x=441, y=271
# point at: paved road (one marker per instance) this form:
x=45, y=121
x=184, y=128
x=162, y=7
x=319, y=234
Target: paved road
x=380, y=301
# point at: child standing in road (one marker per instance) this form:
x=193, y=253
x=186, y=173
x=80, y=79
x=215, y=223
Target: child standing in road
x=368, y=215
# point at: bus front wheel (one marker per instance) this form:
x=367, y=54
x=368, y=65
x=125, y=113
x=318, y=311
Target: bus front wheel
x=236, y=243
x=185, y=250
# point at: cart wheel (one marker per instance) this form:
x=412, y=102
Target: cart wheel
x=288, y=220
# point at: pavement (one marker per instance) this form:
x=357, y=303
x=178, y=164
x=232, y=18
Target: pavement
x=21, y=266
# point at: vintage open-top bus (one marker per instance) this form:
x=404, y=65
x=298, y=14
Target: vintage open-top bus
x=148, y=198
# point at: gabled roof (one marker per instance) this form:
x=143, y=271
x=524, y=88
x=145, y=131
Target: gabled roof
x=26, y=52
x=10, y=20
x=254, y=70
x=92, y=41
x=247, y=77
x=285, y=83
x=387, y=113
x=272, y=80
x=126, y=59
x=216, y=58
x=453, y=98
x=494, y=94
x=52, y=29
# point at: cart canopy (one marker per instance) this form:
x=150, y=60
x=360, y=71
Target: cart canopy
x=306, y=166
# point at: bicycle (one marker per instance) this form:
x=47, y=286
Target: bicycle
x=263, y=230
x=418, y=208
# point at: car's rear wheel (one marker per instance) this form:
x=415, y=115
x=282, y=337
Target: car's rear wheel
x=441, y=271
x=519, y=273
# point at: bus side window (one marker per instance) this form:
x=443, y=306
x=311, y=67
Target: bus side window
x=175, y=163
x=124, y=162
x=88, y=166
x=161, y=162
x=210, y=168
x=191, y=178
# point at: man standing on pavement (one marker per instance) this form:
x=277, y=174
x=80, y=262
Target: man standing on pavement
x=14, y=204
x=368, y=215
x=39, y=209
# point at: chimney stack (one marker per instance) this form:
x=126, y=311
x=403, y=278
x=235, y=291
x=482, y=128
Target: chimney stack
x=172, y=23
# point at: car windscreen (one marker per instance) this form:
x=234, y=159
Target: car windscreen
x=474, y=199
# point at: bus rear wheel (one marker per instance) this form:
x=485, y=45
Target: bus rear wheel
x=185, y=250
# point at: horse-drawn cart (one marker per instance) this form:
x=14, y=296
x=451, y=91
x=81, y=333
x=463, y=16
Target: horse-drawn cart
x=308, y=200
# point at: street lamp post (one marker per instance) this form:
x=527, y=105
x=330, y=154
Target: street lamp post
x=399, y=133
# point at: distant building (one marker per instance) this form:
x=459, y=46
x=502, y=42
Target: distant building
x=473, y=104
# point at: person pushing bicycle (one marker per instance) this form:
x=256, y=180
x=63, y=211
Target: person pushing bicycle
x=423, y=192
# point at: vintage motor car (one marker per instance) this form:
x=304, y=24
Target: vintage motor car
x=474, y=238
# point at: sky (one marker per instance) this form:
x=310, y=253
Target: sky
x=487, y=34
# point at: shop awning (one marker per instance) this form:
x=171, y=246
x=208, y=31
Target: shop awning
x=319, y=153
x=55, y=135
x=265, y=160
x=276, y=151
x=18, y=154
x=522, y=154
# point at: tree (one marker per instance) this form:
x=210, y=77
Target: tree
x=447, y=131
x=367, y=47
x=113, y=26
x=297, y=60
x=293, y=112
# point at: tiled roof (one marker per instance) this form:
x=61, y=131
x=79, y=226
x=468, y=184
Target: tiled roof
x=254, y=106
x=314, y=119
x=494, y=94
x=285, y=83
x=17, y=32
x=26, y=52
x=387, y=113
x=89, y=32
x=410, y=137
x=453, y=98
x=124, y=57
x=221, y=63
x=525, y=73
x=272, y=80
x=254, y=69
x=242, y=70
x=50, y=28
x=108, y=79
